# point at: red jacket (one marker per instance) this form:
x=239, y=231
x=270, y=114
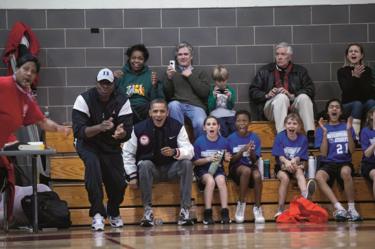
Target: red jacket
x=19, y=29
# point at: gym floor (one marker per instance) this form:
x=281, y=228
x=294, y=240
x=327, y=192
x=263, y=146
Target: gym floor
x=247, y=235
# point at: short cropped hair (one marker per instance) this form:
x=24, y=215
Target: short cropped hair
x=289, y=49
x=220, y=73
x=158, y=101
x=242, y=112
x=138, y=47
x=184, y=45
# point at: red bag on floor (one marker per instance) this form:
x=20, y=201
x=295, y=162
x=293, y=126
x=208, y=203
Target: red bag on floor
x=303, y=210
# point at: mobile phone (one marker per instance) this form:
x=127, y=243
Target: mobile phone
x=222, y=91
x=172, y=63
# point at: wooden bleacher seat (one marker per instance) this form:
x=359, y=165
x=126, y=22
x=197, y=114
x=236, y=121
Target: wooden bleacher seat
x=67, y=173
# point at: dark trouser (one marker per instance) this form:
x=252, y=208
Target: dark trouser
x=227, y=125
x=108, y=169
x=149, y=173
x=356, y=109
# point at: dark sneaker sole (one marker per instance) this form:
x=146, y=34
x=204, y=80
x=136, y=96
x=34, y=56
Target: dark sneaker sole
x=186, y=223
x=358, y=219
x=341, y=219
x=147, y=224
x=114, y=226
x=208, y=222
x=225, y=221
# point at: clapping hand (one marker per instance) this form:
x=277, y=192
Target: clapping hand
x=321, y=124
x=106, y=125
x=118, y=74
x=119, y=132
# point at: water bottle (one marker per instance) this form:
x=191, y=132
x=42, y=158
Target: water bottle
x=193, y=211
x=312, y=167
x=158, y=222
x=215, y=163
x=266, y=169
x=260, y=167
x=46, y=112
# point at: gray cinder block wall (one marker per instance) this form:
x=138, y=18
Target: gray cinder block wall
x=243, y=39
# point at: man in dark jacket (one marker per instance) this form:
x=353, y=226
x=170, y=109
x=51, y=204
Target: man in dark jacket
x=159, y=150
x=282, y=86
x=102, y=120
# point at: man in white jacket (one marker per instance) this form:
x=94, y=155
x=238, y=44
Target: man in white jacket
x=159, y=150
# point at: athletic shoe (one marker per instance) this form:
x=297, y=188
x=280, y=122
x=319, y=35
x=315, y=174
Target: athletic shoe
x=340, y=215
x=258, y=215
x=97, y=222
x=353, y=215
x=148, y=218
x=278, y=213
x=311, y=186
x=184, y=219
x=225, y=216
x=240, y=212
x=116, y=222
x=207, y=217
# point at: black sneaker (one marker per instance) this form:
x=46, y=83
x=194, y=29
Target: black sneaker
x=184, y=219
x=225, y=216
x=148, y=218
x=207, y=217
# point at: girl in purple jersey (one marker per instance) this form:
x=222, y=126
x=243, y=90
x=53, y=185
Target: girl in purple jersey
x=245, y=147
x=206, y=149
x=336, y=143
x=368, y=147
x=290, y=151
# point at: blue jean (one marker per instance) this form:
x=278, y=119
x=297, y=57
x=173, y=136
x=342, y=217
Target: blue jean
x=356, y=108
x=196, y=114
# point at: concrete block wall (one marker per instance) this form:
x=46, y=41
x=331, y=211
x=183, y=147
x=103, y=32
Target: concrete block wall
x=243, y=39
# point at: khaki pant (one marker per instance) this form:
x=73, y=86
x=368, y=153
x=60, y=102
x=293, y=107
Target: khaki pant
x=276, y=109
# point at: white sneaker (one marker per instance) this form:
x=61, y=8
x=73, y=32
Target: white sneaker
x=116, y=222
x=97, y=222
x=258, y=215
x=311, y=187
x=240, y=212
x=278, y=213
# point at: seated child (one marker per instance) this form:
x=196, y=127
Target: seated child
x=336, y=142
x=206, y=149
x=368, y=147
x=221, y=100
x=245, y=148
x=290, y=151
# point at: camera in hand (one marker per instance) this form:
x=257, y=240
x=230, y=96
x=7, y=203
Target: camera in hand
x=222, y=91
